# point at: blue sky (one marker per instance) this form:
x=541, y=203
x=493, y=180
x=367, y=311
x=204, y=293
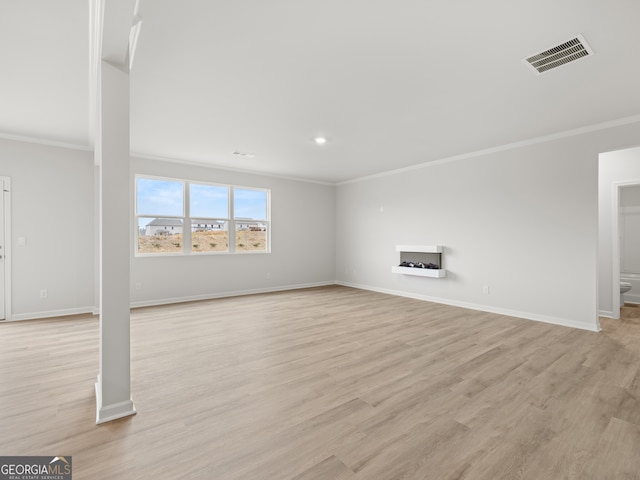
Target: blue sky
x=250, y=203
x=165, y=198
x=159, y=197
x=209, y=201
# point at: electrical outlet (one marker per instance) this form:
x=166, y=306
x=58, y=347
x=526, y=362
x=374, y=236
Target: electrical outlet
x=485, y=289
x=43, y=293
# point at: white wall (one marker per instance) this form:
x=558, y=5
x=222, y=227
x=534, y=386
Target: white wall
x=629, y=227
x=52, y=207
x=303, y=243
x=630, y=196
x=523, y=221
x=614, y=167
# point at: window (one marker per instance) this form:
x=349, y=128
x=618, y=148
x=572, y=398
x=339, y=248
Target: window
x=222, y=218
x=209, y=217
x=160, y=215
x=250, y=216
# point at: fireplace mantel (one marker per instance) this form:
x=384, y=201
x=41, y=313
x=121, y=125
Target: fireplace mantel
x=420, y=254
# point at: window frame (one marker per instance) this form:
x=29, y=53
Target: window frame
x=137, y=215
x=187, y=219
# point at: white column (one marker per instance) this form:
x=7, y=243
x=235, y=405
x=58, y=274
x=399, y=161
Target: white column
x=113, y=387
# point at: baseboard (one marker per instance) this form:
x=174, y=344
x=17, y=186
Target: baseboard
x=109, y=413
x=51, y=313
x=93, y=310
x=192, y=298
x=237, y=293
x=482, y=308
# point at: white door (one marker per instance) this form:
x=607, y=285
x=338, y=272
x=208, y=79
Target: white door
x=2, y=250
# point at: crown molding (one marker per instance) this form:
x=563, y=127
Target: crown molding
x=501, y=148
x=196, y=163
x=44, y=141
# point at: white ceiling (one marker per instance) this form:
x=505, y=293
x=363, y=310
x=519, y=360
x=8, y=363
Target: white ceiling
x=389, y=83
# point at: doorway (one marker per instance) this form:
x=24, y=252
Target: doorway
x=623, y=200
x=617, y=170
x=5, y=284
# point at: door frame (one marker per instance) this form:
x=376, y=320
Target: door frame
x=615, y=243
x=6, y=194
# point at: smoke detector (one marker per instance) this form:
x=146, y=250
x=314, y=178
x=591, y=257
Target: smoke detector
x=560, y=55
x=243, y=154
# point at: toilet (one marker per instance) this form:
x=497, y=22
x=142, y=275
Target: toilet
x=624, y=288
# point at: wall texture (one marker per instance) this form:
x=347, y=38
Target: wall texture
x=630, y=227
x=522, y=221
x=303, y=243
x=630, y=196
x=52, y=208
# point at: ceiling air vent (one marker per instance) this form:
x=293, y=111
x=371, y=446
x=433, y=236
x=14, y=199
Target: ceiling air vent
x=559, y=55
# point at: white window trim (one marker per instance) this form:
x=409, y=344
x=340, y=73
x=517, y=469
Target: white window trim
x=187, y=219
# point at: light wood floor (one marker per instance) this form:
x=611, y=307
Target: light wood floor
x=331, y=383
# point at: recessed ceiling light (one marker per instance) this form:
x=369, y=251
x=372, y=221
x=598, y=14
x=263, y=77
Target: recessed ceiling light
x=244, y=154
x=320, y=140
